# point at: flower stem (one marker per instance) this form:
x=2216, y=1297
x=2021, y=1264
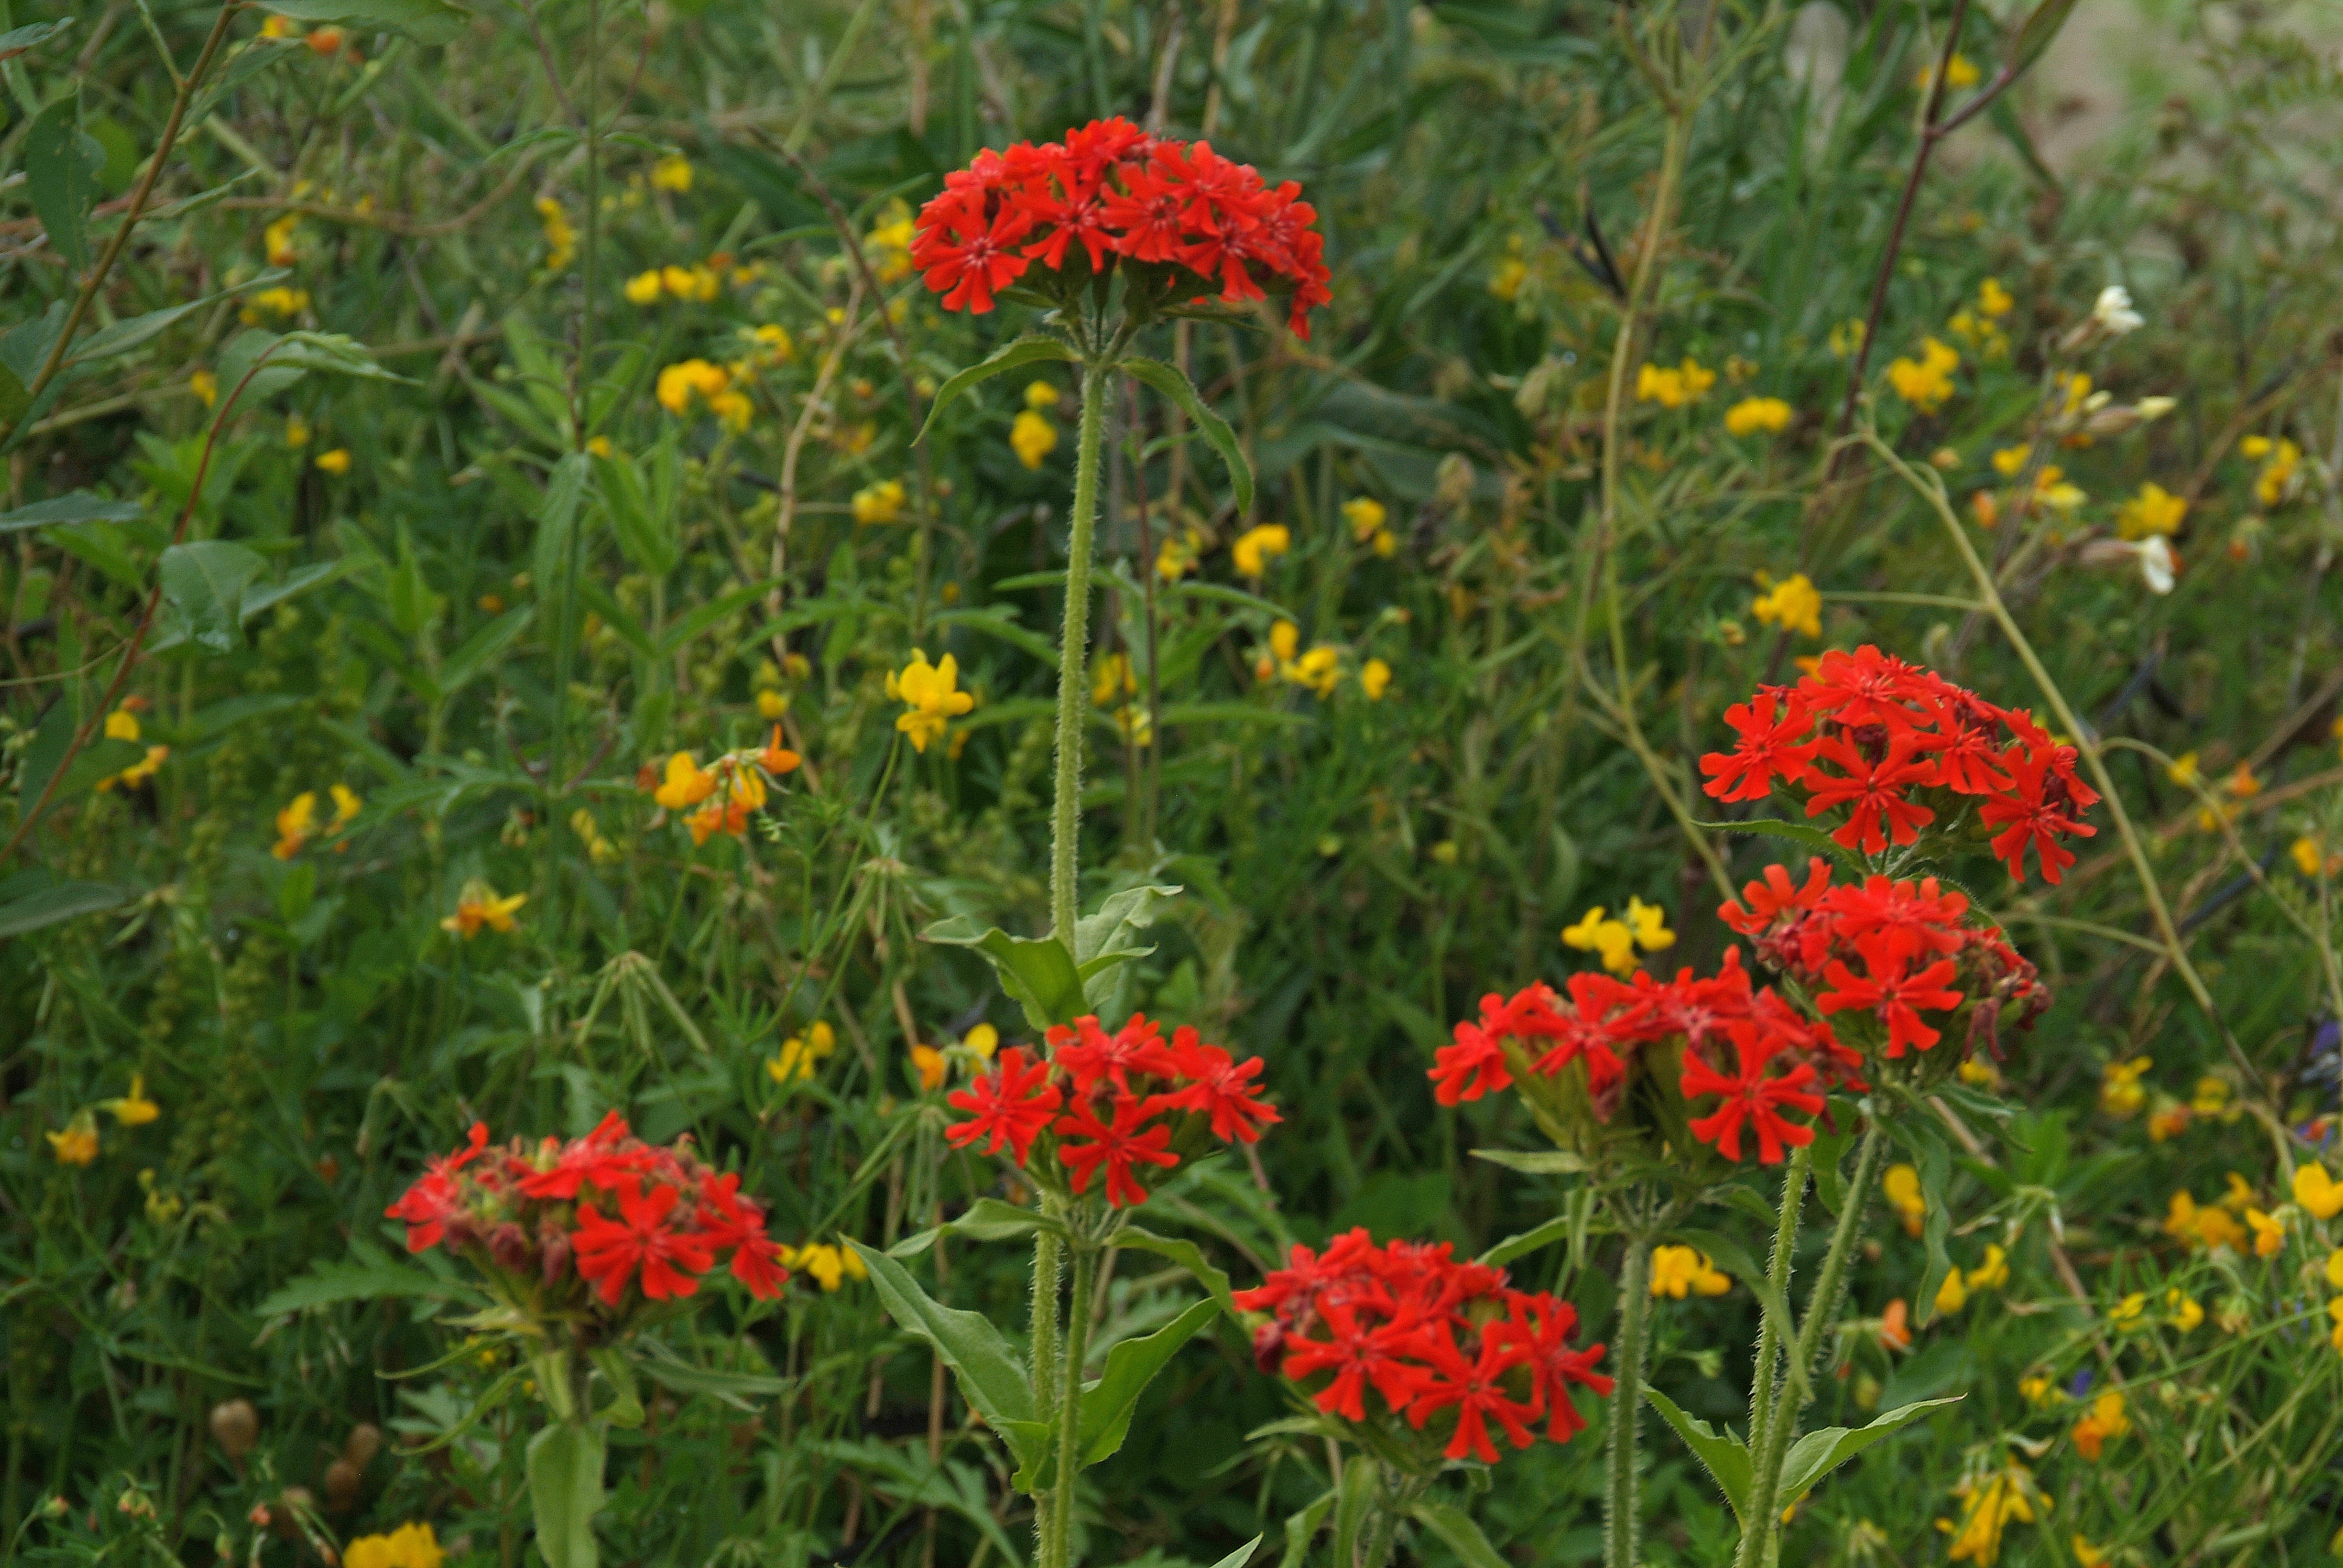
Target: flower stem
x=1073, y=685
x=1070, y=1401
x=1623, y=1500
x=1766, y=1372
x=1048, y=1265
x=1822, y=1311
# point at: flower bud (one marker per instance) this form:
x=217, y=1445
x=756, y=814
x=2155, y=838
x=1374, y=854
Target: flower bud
x=341, y=1486
x=365, y=1443
x=236, y=1427
x=508, y=1245
x=1269, y=1347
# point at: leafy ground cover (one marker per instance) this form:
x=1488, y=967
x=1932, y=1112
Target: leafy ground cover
x=915, y=782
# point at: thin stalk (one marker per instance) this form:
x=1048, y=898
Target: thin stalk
x=1049, y=1254
x=1374, y=1549
x=1622, y=1488
x=1073, y=688
x=1764, y=1373
x=1070, y=1404
x=1764, y=1520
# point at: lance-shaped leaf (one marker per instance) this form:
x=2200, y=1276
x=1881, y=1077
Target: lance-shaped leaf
x=1026, y=350
x=1168, y=380
x=1724, y=1456
x=79, y=507
x=1106, y=940
x=1240, y=1556
x=60, y=166
x=1131, y=1366
x=1037, y=972
x=988, y=1374
x=565, y=1492
x=1185, y=1254
x=1458, y=1534
x=58, y=902
x=1818, y=1453
x=987, y=1219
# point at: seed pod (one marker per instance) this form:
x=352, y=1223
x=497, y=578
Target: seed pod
x=365, y=1443
x=236, y=1427
x=341, y=1486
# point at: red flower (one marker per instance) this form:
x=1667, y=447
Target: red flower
x=1914, y=920
x=1476, y=1389
x=1754, y=1097
x=969, y=258
x=1472, y=1065
x=435, y=1199
x=1359, y=1352
x=1118, y=1145
x=2039, y=808
x=1542, y=1327
x=609, y=1251
x=1087, y=1054
x=1868, y=687
x=1012, y=1104
x=1777, y=896
x=739, y=1224
x=1219, y=1087
x=1872, y=789
x=590, y=1161
x=1893, y=995
x=1766, y=747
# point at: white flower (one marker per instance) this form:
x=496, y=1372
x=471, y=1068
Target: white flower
x=2114, y=312
x=2156, y=564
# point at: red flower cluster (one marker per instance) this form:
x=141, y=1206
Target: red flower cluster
x=605, y=1211
x=1120, y=194
x=1895, y=951
x=1745, y=1045
x=1111, y=1103
x=1867, y=732
x=1428, y=1335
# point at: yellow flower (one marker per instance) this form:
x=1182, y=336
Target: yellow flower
x=773, y=342
x=1991, y=1505
x=2040, y=1392
x=1959, y=73
x=347, y=806
x=1993, y=1273
x=2085, y=1554
x=679, y=381
x=2152, y=511
x=982, y=1041
x=1375, y=679
x=1319, y=670
x=879, y=503
x=2304, y=851
x=672, y=172
x=1674, y=388
x=1902, y=1187
x=1792, y=605
x=1993, y=300
x=1178, y=555
x=891, y=244
x=297, y=431
x=410, y=1545
x=696, y=283
x=1752, y=415
x=929, y=1063
x=2185, y=1314
x=930, y=692
x=643, y=289
x=1255, y=546
x=280, y=300
x=2202, y=1227
x=1366, y=516
x=2278, y=458
x=1677, y=1272
x=2169, y=1121
x=2317, y=1192
x=2334, y=1309
x=1032, y=437
x=205, y=386
x=296, y=824
x=1979, y=1073
x=277, y=240
x=686, y=783
x=477, y=905
x=138, y=772
x=2269, y=1234
x=1612, y=939
x=561, y=239
x=77, y=1144
x=2008, y=460
x=1039, y=396
x=2211, y=1097
x=2120, y=1093
x=1506, y=279
x=2106, y=1420
x=1649, y=922
x=1847, y=337
x=800, y=1052
x=1925, y=383
x=2050, y=487
x=134, y=1109
x=1111, y=677
x=122, y=724
x=829, y=1266
x=2183, y=772
x=1951, y=1295
x=771, y=704
x=337, y=461
x=732, y=409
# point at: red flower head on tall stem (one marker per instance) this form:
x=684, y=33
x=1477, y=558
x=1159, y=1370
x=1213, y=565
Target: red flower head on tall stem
x=1085, y=1143
x=1755, y=1096
x=1012, y=1104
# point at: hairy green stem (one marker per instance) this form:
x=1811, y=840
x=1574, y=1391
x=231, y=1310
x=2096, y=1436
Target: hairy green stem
x=1374, y=1549
x=1073, y=684
x=1623, y=1490
x=1070, y=1401
x=1764, y=1372
x=1049, y=1254
x=1763, y=1522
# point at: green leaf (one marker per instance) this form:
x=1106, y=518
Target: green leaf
x=988, y=1374
x=987, y=1219
x=1240, y=1556
x=1529, y=1241
x=1185, y=1254
x=80, y=507
x=1301, y=1527
x=108, y=342
x=1355, y=1503
x=1533, y=1161
x=556, y=522
x=1027, y=350
x=1106, y=940
x=1724, y=1456
x=59, y=902
x=13, y=398
x=2036, y=34
x=1131, y=1366
x=481, y=650
x=625, y=1408
x=374, y=1277
x=16, y=40
x=1458, y=1534
x=1037, y=972
x=203, y=590
x=565, y=1492
x=1168, y=380
x=425, y=20
x=262, y=596
x=60, y=166
x=1813, y=838
x=708, y=616
x=1818, y=1453
x=734, y=1387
